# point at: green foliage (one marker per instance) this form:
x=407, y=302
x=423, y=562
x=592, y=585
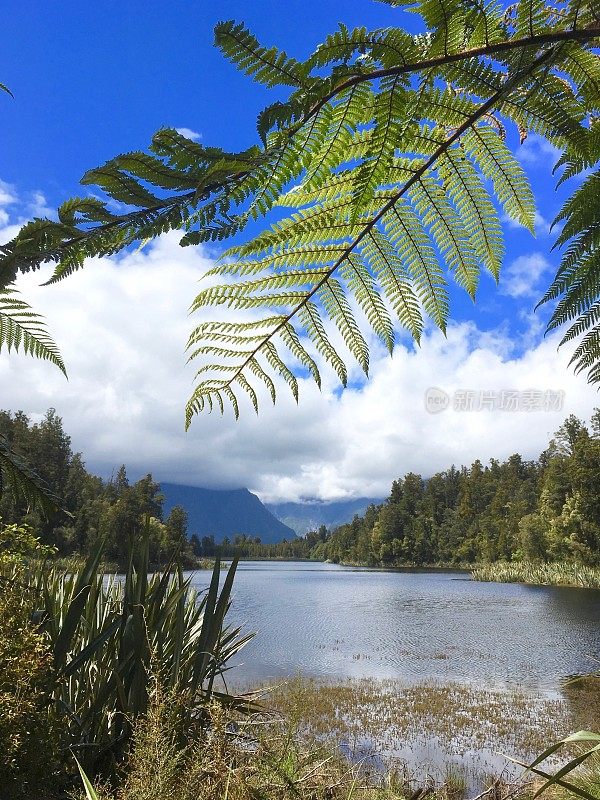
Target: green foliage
x=18, y=545
x=576, y=285
x=527, y=514
x=591, y=746
x=539, y=574
x=389, y=150
x=107, y=636
x=238, y=759
x=90, y=509
x=23, y=329
x=18, y=479
x=28, y=732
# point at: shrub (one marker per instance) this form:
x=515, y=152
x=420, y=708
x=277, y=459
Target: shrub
x=28, y=730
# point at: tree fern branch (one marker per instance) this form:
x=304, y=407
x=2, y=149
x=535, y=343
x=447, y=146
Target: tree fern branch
x=454, y=137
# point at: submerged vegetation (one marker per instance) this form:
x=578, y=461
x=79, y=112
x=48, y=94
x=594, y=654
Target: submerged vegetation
x=429, y=729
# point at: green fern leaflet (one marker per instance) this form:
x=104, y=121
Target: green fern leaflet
x=389, y=161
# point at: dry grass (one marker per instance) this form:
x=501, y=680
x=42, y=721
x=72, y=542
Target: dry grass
x=293, y=751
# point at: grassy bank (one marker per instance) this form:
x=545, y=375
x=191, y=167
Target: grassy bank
x=539, y=574
x=348, y=741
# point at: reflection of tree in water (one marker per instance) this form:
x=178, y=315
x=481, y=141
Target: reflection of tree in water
x=569, y=643
x=582, y=695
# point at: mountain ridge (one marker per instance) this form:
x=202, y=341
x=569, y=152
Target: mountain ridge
x=225, y=513
x=309, y=515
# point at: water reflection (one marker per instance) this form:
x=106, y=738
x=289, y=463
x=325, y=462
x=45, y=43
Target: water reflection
x=327, y=621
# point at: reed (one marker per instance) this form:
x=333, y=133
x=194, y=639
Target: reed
x=541, y=574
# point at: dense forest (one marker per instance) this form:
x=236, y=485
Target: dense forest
x=544, y=510
x=91, y=508
x=516, y=510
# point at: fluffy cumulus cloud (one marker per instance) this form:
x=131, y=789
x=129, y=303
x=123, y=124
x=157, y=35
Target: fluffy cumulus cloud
x=522, y=276
x=122, y=325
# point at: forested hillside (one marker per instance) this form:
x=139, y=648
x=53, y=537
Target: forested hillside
x=92, y=508
x=223, y=513
x=547, y=510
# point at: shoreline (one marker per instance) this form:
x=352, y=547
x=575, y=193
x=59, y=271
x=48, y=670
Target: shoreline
x=562, y=575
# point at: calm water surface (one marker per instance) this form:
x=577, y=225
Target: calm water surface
x=329, y=621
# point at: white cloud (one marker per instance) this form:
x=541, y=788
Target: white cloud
x=189, y=133
x=521, y=277
x=538, y=151
x=38, y=206
x=7, y=198
x=122, y=324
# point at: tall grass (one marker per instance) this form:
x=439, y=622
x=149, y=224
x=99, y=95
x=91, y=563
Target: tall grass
x=558, y=574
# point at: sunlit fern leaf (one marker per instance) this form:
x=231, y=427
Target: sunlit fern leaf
x=21, y=329
x=446, y=228
x=269, y=351
x=256, y=368
x=406, y=232
x=292, y=341
x=576, y=285
x=352, y=108
x=391, y=274
x=531, y=17
x=269, y=66
x=311, y=319
x=389, y=112
x=362, y=286
x=397, y=148
x=497, y=163
x=476, y=210
x=337, y=308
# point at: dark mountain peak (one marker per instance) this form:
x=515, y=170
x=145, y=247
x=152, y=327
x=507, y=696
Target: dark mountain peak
x=225, y=512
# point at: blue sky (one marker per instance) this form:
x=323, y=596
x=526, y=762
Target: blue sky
x=97, y=79
x=91, y=80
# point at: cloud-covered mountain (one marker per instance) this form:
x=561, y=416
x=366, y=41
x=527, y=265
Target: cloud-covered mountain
x=310, y=515
x=225, y=513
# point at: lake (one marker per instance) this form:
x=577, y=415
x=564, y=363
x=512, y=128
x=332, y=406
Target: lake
x=334, y=622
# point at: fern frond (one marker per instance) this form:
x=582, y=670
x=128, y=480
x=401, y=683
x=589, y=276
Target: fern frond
x=390, y=142
x=311, y=320
x=392, y=276
x=449, y=234
x=390, y=113
x=21, y=329
x=362, y=286
x=475, y=208
x=269, y=66
x=406, y=232
x=576, y=285
x=497, y=163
